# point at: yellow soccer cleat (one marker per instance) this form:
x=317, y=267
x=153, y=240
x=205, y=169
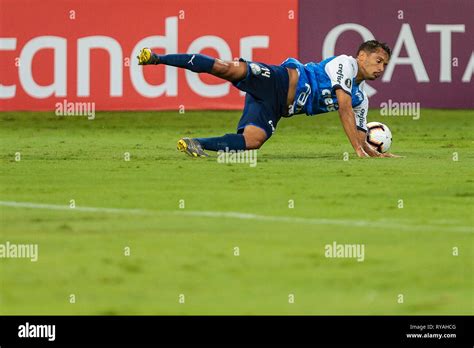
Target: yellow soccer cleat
x=191, y=147
x=146, y=56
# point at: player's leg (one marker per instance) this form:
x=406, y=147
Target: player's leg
x=195, y=147
x=255, y=127
x=198, y=63
x=265, y=102
x=251, y=138
x=266, y=88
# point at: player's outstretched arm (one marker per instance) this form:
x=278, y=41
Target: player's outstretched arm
x=356, y=137
x=346, y=114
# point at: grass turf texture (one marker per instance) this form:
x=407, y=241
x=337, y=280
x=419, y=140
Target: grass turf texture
x=408, y=251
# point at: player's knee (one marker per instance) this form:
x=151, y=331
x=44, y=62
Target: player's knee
x=254, y=137
x=253, y=143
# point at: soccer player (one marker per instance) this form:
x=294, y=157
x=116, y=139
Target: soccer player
x=275, y=91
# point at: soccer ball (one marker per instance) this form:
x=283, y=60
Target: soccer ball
x=379, y=136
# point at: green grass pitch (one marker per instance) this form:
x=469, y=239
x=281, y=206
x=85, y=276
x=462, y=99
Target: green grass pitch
x=422, y=251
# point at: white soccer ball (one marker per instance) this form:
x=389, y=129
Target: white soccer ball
x=379, y=136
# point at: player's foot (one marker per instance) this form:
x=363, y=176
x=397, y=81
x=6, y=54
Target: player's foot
x=146, y=56
x=192, y=147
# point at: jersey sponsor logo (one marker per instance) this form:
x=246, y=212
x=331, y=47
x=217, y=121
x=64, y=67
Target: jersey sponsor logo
x=360, y=117
x=328, y=101
x=303, y=98
x=339, y=74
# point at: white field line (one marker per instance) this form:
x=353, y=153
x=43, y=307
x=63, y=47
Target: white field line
x=382, y=224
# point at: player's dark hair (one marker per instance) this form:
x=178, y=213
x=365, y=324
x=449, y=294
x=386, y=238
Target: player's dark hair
x=373, y=45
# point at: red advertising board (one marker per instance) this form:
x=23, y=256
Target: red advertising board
x=84, y=51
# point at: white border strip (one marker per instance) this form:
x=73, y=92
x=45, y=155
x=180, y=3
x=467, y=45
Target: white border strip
x=382, y=224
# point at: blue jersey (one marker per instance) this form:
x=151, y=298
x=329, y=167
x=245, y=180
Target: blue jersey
x=317, y=84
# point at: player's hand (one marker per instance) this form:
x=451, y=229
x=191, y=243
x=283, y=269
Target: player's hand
x=361, y=152
x=387, y=154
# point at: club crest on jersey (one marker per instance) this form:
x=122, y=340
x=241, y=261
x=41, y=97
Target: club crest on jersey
x=348, y=83
x=255, y=68
x=259, y=70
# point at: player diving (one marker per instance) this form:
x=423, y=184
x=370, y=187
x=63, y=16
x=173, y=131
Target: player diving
x=292, y=88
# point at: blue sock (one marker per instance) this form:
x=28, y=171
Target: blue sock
x=226, y=142
x=195, y=62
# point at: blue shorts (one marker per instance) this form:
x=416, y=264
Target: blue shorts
x=265, y=102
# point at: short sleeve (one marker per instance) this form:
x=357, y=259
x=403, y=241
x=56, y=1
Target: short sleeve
x=341, y=71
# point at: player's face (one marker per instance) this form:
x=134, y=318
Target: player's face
x=372, y=64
